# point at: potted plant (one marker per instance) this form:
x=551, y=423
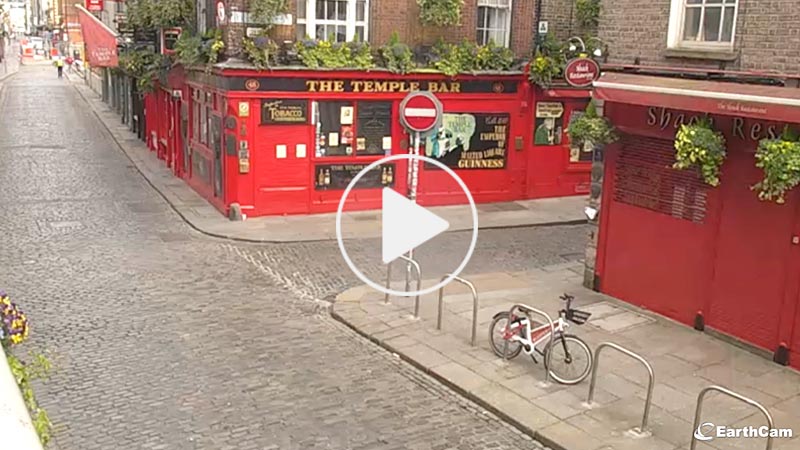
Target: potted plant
x=699, y=145
x=780, y=160
x=590, y=130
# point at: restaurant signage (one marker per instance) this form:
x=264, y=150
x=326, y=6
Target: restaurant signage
x=284, y=112
x=470, y=141
x=292, y=84
x=581, y=72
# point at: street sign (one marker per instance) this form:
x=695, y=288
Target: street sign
x=420, y=112
x=94, y=5
x=581, y=72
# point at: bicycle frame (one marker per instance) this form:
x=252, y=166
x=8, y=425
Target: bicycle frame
x=541, y=333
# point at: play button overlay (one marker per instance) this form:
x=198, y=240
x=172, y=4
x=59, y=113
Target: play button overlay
x=405, y=226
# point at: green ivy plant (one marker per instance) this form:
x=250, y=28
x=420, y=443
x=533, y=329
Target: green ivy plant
x=213, y=45
x=699, y=145
x=335, y=55
x=155, y=14
x=544, y=69
x=452, y=59
x=587, y=13
x=780, y=161
x=440, y=13
x=591, y=129
x=396, y=56
x=188, y=49
x=261, y=51
x=144, y=66
x=265, y=12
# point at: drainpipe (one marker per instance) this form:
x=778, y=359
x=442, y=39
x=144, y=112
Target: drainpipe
x=538, y=40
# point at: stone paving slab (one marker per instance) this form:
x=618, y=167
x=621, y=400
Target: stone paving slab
x=316, y=227
x=684, y=362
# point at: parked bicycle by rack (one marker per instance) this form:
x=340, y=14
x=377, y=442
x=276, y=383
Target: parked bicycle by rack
x=571, y=361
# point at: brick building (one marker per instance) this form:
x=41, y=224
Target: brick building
x=715, y=257
x=507, y=22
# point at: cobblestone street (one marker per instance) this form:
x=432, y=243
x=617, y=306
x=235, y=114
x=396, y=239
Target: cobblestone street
x=163, y=338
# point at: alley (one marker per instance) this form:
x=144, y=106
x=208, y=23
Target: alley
x=165, y=339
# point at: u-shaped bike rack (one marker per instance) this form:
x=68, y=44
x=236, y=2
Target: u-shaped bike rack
x=529, y=309
x=414, y=264
x=474, y=306
x=729, y=393
x=650, y=384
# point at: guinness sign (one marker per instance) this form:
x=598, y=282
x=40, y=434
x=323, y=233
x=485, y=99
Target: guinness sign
x=284, y=112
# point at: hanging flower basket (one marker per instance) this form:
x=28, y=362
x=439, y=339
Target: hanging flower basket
x=699, y=145
x=780, y=161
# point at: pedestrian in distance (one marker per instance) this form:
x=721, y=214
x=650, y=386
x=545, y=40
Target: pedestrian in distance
x=60, y=65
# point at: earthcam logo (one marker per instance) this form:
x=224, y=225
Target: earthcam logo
x=708, y=431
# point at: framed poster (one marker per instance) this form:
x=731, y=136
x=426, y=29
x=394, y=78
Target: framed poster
x=338, y=176
x=470, y=141
x=373, y=126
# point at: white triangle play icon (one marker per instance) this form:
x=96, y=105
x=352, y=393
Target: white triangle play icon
x=406, y=225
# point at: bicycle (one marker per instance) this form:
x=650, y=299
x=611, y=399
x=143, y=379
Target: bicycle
x=520, y=336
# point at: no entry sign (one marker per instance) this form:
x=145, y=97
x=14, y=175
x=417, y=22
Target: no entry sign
x=420, y=111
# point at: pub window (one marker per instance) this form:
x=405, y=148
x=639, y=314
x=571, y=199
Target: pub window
x=204, y=124
x=579, y=153
x=549, y=127
x=373, y=127
x=336, y=20
x=335, y=128
x=703, y=23
x=494, y=22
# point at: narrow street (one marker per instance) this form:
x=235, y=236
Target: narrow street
x=163, y=338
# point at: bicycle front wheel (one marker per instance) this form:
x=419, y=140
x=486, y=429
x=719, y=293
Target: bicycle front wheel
x=571, y=360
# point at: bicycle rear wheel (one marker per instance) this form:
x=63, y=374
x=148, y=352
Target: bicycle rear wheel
x=571, y=360
x=497, y=337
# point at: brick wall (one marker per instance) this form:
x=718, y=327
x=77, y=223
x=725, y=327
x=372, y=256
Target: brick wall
x=402, y=16
x=767, y=35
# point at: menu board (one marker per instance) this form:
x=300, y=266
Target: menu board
x=374, y=122
x=338, y=176
x=469, y=141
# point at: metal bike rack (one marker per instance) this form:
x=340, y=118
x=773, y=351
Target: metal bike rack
x=732, y=394
x=528, y=309
x=648, y=400
x=419, y=281
x=474, y=306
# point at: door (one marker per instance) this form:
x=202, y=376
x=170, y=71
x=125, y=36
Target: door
x=282, y=169
x=754, y=257
x=659, y=234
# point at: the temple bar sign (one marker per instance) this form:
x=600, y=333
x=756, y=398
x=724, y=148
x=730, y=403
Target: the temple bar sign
x=382, y=86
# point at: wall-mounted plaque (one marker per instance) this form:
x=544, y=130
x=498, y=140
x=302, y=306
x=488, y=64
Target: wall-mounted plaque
x=284, y=112
x=338, y=176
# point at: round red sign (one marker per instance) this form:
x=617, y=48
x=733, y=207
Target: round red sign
x=420, y=111
x=581, y=72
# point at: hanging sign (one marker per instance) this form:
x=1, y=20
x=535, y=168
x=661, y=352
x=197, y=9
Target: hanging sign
x=581, y=72
x=94, y=5
x=221, y=13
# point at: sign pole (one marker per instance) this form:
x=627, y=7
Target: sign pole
x=413, y=170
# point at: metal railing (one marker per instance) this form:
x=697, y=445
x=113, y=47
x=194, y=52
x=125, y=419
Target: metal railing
x=471, y=286
x=696, y=432
x=527, y=310
x=650, y=384
x=414, y=264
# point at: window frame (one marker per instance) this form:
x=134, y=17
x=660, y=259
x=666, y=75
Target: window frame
x=677, y=20
x=310, y=21
x=492, y=4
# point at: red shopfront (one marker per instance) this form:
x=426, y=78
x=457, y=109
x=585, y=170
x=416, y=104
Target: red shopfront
x=289, y=142
x=715, y=258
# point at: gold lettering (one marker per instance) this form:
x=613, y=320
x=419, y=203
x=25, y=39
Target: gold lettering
x=357, y=85
x=738, y=123
x=325, y=86
x=381, y=86
x=433, y=86
x=311, y=86
x=651, y=116
x=338, y=86
x=755, y=131
x=413, y=86
x=395, y=86
x=455, y=87
x=369, y=86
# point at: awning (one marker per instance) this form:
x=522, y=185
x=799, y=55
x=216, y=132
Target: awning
x=779, y=104
x=99, y=39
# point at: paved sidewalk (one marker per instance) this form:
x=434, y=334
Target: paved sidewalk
x=10, y=64
x=684, y=362
x=365, y=224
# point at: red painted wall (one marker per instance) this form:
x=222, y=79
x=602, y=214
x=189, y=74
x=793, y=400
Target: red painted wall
x=737, y=267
